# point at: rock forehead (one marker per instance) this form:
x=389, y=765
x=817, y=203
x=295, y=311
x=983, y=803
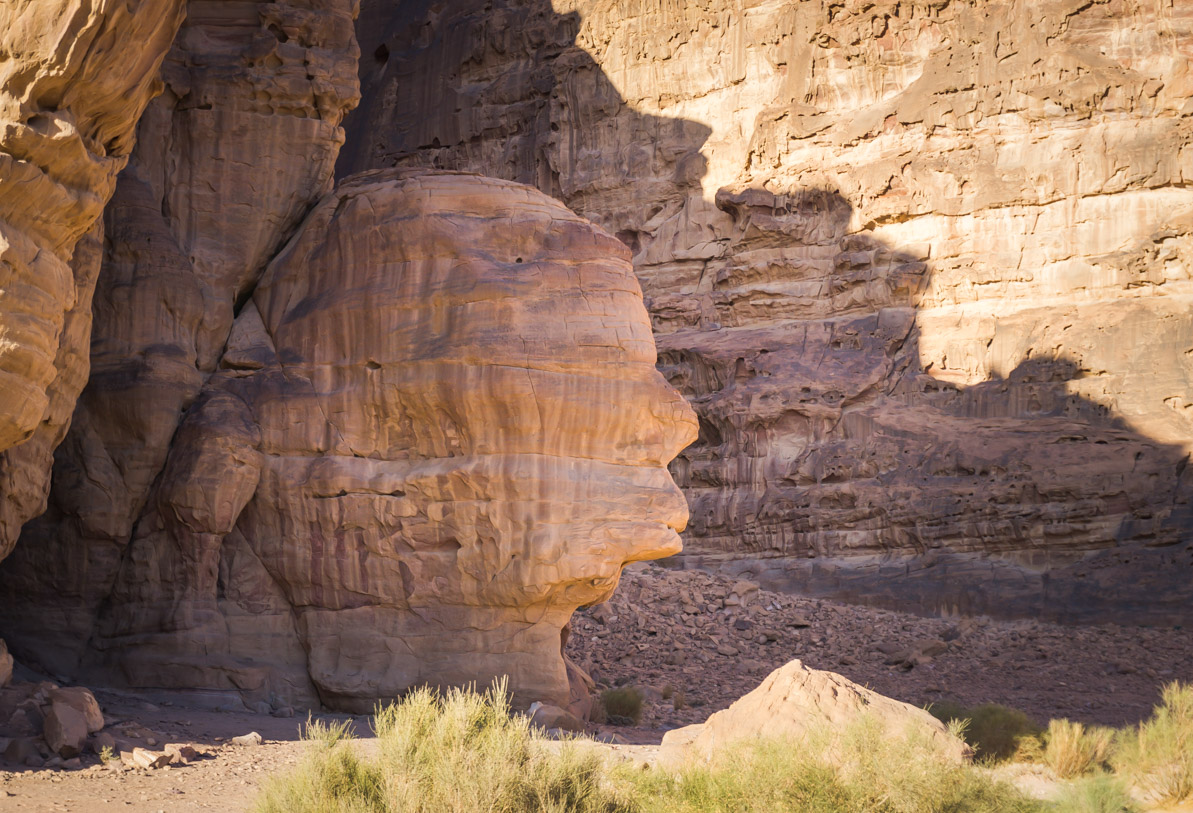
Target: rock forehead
x=437, y=428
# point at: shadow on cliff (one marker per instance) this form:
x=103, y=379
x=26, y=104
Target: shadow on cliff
x=888, y=486
x=983, y=499
x=501, y=88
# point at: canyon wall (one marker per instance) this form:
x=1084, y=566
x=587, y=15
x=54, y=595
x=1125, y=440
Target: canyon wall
x=922, y=267
x=230, y=158
x=74, y=79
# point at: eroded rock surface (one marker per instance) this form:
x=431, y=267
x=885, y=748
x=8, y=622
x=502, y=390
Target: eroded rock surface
x=231, y=157
x=436, y=430
x=74, y=79
x=921, y=267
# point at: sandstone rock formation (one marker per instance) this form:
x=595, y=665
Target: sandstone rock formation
x=74, y=79
x=232, y=156
x=921, y=267
x=795, y=702
x=435, y=431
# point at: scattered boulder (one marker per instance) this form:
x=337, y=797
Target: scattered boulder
x=252, y=738
x=794, y=701
x=547, y=716
x=23, y=751
x=83, y=701
x=5, y=664
x=65, y=730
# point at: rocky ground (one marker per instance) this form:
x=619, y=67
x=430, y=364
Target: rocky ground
x=713, y=639
x=703, y=639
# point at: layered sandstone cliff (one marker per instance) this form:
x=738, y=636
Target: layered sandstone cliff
x=921, y=267
x=231, y=157
x=74, y=79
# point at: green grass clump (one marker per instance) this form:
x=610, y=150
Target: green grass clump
x=1095, y=794
x=1158, y=755
x=465, y=752
x=1072, y=750
x=622, y=705
x=996, y=733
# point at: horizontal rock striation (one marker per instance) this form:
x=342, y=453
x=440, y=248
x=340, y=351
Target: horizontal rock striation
x=922, y=268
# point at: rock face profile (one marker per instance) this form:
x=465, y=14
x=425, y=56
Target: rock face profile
x=922, y=268
x=794, y=703
x=74, y=79
x=435, y=431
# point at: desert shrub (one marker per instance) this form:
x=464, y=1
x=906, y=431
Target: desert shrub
x=863, y=771
x=333, y=778
x=622, y=706
x=679, y=700
x=1158, y=755
x=994, y=732
x=1094, y=794
x=464, y=752
x=1072, y=750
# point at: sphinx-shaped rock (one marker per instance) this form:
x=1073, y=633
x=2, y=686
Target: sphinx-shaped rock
x=436, y=430
x=231, y=157
x=74, y=79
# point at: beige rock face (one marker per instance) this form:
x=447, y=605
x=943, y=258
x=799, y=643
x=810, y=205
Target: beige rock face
x=233, y=154
x=921, y=267
x=435, y=431
x=74, y=80
x=794, y=703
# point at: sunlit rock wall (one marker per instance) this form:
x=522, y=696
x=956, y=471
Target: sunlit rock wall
x=74, y=79
x=230, y=158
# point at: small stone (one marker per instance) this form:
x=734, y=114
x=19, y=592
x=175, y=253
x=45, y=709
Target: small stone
x=252, y=738
x=284, y=711
x=143, y=758
x=179, y=753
